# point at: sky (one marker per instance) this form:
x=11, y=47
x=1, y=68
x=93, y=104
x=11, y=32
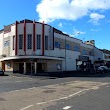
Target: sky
x=82, y=19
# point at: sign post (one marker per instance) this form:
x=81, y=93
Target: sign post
x=31, y=65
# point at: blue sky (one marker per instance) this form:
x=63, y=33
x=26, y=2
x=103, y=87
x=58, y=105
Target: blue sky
x=90, y=18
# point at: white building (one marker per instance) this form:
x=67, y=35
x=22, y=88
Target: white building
x=29, y=45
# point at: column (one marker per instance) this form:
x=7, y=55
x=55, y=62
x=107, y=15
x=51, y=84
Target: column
x=35, y=64
x=24, y=67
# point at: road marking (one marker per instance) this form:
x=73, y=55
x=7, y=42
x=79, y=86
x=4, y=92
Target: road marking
x=26, y=107
x=62, y=98
x=67, y=107
x=54, y=100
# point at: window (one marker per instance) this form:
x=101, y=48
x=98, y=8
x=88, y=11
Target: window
x=38, y=41
x=6, y=43
x=76, y=48
x=29, y=41
x=13, y=42
x=68, y=46
x=57, y=44
x=46, y=42
x=84, y=52
x=21, y=41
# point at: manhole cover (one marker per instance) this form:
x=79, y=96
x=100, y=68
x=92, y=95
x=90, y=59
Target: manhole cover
x=49, y=91
x=2, y=99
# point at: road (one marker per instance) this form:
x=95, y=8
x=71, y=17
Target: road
x=50, y=93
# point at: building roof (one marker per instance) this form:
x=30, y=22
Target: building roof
x=105, y=51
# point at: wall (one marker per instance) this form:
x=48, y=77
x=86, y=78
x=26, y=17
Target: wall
x=98, y=54
x=71, y=57
x=52, y=66
x=11, y=66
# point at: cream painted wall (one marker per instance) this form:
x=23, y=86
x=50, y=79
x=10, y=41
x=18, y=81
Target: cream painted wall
x=1, y=43
x=52, y=66
x=55, y=53
x=29, y=30
x=6, y=66
x=39, y=31
x=20, y=31
x=71, y=57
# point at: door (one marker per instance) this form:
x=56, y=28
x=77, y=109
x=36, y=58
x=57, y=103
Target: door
x=39, y=67
x=21, y=68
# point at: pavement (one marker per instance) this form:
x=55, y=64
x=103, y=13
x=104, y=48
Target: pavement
x=25, y=92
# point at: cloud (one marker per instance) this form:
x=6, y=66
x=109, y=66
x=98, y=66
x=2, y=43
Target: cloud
x=95, y=30
x=50, y=10
x=95, y=17
x=60, y=24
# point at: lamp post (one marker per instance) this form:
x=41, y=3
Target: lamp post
x=65, y=53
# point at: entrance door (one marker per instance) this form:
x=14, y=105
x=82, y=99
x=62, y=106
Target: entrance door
x=21, y=68
x=39, y=67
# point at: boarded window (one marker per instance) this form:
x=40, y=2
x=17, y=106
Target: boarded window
x=29, y=41
x=38, y=41
x=21, y=41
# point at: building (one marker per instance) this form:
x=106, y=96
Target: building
x=29, y=46
x=102, y=57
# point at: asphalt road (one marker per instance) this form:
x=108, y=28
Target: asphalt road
x=50, y=93
x=91, y=100
x=18, y=82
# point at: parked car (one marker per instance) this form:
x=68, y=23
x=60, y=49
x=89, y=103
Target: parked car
x=102, y=69
x=1, y=72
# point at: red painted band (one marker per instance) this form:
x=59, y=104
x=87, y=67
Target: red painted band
x=25, y=37
x=16, y=34
x=43, y=38
x=34, y=34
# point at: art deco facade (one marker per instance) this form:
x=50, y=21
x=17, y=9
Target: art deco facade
x=29, y=45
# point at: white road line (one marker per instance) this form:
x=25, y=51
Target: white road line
x=26, y=107
x=67, y=107
x=62, y=98
x=66, y=97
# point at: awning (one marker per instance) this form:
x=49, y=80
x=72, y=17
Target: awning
x=31, y=57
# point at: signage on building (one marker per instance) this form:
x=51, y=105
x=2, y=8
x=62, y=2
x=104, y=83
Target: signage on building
x=58, y=66
x=83, y=58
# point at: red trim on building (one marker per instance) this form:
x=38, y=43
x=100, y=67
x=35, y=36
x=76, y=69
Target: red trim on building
x=43, y=38
x=16, y=34
x=25, y=37
x=34, y=34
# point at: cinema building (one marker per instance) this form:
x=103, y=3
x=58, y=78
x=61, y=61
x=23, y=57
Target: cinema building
x=29, y=45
